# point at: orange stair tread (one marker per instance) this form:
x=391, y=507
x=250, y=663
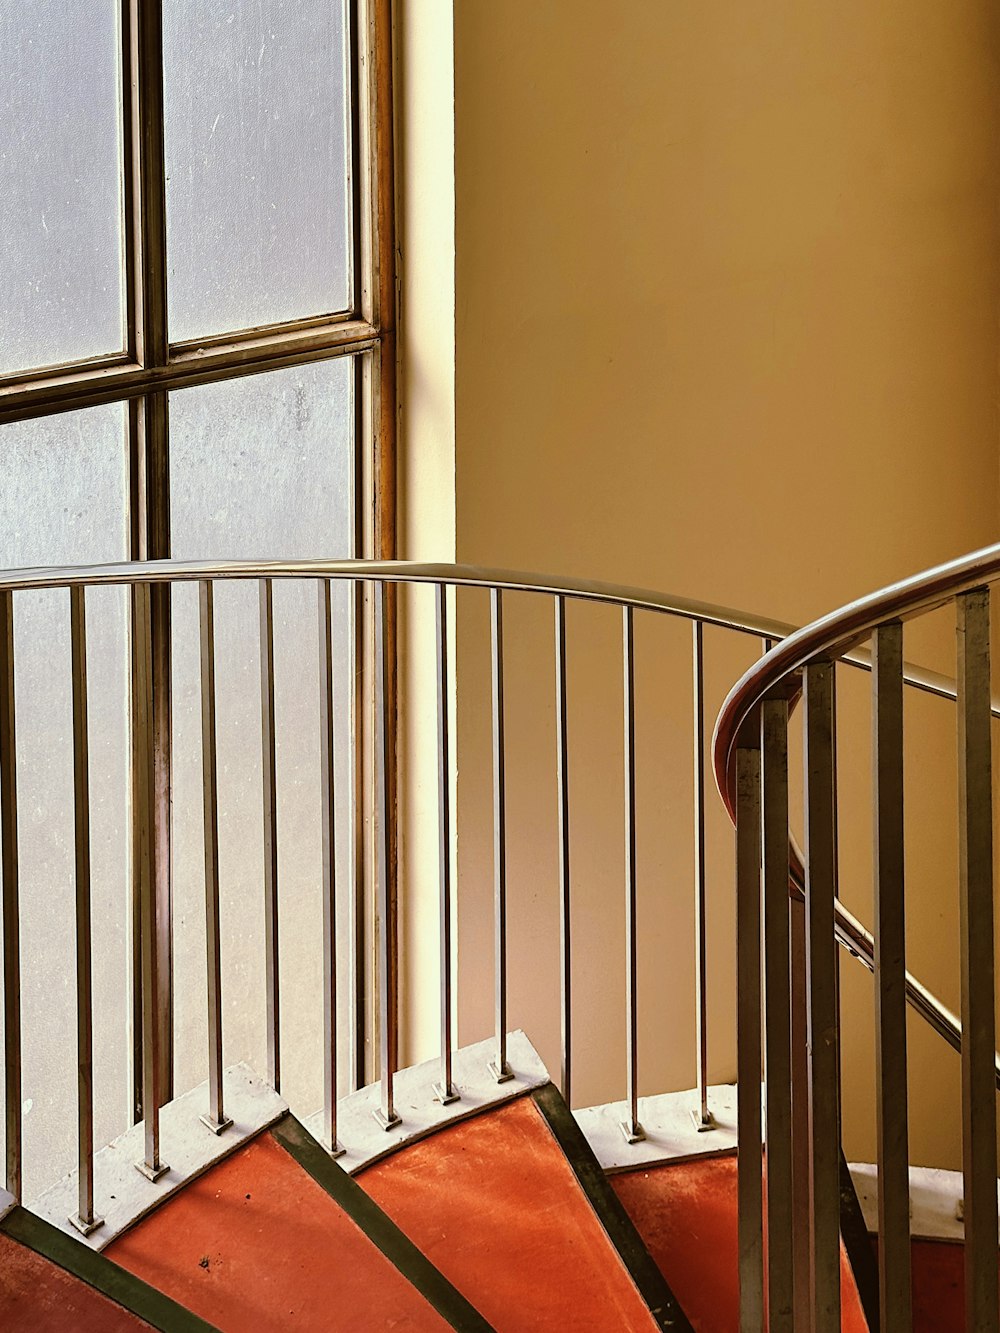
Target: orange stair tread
x=256, y=1243
x=495, y=1205
x=37, y=1296
x=686, y=1215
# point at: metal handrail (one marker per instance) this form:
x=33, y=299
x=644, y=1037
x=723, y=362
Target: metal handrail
x=836, y=636
x=750, y=755
x=394, y=571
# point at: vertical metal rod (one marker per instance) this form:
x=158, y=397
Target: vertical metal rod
x=777, y=1016
x=445, y=1090
x=272, y=981
x=11, y=914
x=565, y=892
x=328, y=837
x=702, y=1115
x=162, y=850
x=748, y=1041
x=85, y=1219
x=388, y=1025
x=801, y=1143
x=216, y=1119
x=631, y=1128
x=890, y=979
x=499, y=1066
x=360, y=917
x=975, y=807
x=821, y=973
x=144, y=801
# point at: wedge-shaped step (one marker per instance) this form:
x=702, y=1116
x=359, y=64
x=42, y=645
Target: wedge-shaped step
x=512, y=1206
x=686, y=1214
x=50, y=1283
x=278, y=1236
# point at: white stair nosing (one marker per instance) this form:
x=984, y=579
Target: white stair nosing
x=122, y=1194
x=363, y=1139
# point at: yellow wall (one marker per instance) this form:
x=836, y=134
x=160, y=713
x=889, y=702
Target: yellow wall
x=726, y=310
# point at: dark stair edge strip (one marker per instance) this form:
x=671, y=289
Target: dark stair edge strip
x=102, y=1274
x=858, y=1244
x=397, y=1247
x=621, y=1230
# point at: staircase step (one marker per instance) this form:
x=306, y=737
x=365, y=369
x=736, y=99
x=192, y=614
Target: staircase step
x=686, y=1213
x=513, y=1207
x=50, y=1283
x=278, y=1235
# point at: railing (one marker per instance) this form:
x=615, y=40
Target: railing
x=151, y=866
x=150, y=862
x=751, y=763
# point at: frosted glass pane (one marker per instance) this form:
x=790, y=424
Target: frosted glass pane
x=255, y=106
x=61, y=292
x=64, y=500
x=260, y=467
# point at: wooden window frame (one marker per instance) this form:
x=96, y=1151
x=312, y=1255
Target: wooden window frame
x=150, y=368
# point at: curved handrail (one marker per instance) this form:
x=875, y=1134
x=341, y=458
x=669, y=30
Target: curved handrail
x=394, y=571
x=836, y=637
x=458, y=575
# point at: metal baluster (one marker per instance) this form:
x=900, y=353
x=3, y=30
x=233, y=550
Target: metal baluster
x=388, y=1025
x=890, y=980
x=11, y=915
x=85, y=1219
x=801, y=1142
x=361, y=946
x=975, y=804
x=631, y=1128
x=821, y=972
x=216, y=1118
x=445, y=1090
x=144, y=799
x=562, y=802
x=499, y=1067
x=270, y=799
x=702, y=1115
x=748, y=1041
x=777, y=1016
x=328, y=836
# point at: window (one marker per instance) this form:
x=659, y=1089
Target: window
x=196, y=360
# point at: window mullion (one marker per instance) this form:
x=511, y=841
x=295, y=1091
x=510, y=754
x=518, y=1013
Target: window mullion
x=149, y=452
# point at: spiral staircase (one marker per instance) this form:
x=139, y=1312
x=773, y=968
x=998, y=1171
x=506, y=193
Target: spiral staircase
x=464, y=1191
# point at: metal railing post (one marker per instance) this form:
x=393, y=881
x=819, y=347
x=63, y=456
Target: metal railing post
x=445, y=1090
x=890, y=979
x=10, y=907
x=85, y=1219
x=388, y=1018
x=750, y=1191
x=702, y=1115
x=145, y=824
x=565, y=884
x=820, y=770
x=777, y=1015
x=631, y=1126
x=499, y=1067
x=272, y=978
x=328, y=837
x=979, y=1089
x=216, y=1118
